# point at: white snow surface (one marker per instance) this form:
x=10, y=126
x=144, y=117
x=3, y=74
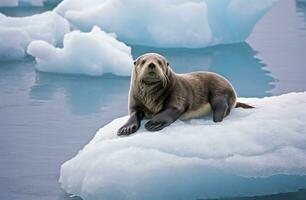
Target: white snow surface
x=168, y=23
x=17, y=32
x=92, y=53
x=176, y=163
x=15, y=3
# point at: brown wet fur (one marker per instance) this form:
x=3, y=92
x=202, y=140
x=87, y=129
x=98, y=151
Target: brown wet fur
x=158, y=93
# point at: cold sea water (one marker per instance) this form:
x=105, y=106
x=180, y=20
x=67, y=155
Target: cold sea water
x=45, y=119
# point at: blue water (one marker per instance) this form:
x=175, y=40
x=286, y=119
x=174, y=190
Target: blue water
x=45, y=119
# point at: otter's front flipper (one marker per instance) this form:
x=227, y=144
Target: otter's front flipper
x=132, y=125
x=163, y=119
x=220, y=108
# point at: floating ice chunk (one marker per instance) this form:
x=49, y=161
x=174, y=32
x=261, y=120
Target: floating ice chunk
x=187, y=159
x=17, y=32
x=93, y=53
x=76, y=5
x=170, y=23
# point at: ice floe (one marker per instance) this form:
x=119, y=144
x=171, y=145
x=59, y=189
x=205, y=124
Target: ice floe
x=189, y=160
x=169, y=23
x=17, y=32
x=94, y=53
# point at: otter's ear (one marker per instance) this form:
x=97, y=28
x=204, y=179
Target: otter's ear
x=167, y=64
x=134, y=62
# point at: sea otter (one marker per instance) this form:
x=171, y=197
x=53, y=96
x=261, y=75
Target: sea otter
x=158, y=93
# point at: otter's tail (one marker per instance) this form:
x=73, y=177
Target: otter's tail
x=243, y=105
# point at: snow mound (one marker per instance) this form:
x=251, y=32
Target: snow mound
x=93, y=53
x=169, y=23
x=15, y=3
x=16, y=33
x=183, y=160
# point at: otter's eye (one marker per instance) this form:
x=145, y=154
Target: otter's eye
x=159, y=62
x=143, y=62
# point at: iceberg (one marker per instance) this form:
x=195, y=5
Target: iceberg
x=17, y=32
x=94, y=53
x=169, y=23
x=189, y=160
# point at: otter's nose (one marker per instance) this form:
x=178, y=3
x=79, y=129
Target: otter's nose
x=151, y=66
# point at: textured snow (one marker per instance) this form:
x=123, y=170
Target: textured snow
x=15, y=3
x=93, y=53
x=16, y=33
x=182, y=161
x=169, y=23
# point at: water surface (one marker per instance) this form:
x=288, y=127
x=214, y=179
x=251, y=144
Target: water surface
x=45, y=119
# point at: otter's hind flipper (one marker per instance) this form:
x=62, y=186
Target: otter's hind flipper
x=220, y=107
x=243, y=105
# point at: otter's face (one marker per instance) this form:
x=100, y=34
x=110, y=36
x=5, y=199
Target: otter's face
x=151, y=68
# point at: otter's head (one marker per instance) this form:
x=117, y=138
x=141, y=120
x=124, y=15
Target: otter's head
x=151, y=69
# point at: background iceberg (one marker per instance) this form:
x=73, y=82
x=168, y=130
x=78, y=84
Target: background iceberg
x=186, y=160
x=93, y=53
x=16, y=33
x=170, y=23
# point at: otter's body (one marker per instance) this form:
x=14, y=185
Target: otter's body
x=158, y=93
x=202, y=87
x=191, y=92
